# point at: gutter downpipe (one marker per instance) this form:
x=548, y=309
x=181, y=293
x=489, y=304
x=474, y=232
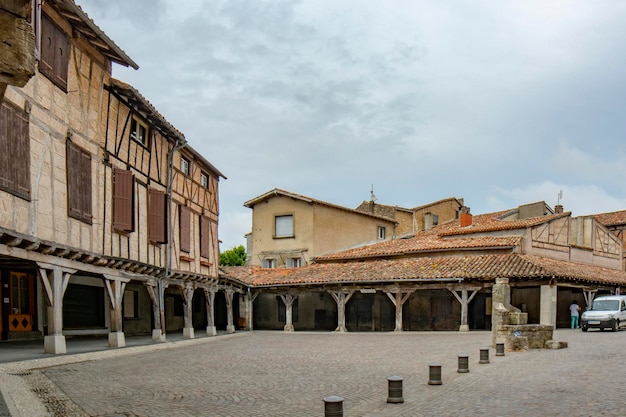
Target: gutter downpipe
x=168, y=248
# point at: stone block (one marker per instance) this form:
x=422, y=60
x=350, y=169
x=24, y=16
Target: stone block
x=117, y=339
x=518, y=318
x=555, y=344
x=516, y=343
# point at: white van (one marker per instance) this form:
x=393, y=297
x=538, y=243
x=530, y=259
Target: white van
x=606, y=312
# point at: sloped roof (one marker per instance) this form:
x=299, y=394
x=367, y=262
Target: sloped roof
x=135, y=100
x=614, y=218
x=427, y=270
x=440, y=238
x=91, y=32
x=278, y=192
x=459, y=202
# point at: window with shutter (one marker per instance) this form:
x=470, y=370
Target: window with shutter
x=205, y=237
x=55, y=53
x=123, y=200
x=79, y=183
x=14, y=151
x=156, y=216
x=185, y=229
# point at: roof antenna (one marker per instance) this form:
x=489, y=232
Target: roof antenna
x=559, y=197
x=373, y=197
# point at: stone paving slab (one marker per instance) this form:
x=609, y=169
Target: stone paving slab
x=289, y=374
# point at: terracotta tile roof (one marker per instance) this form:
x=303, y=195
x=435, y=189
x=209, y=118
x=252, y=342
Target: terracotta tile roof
x=443, y=237
x=277, y=191
x=427, y=270
x=614, y=218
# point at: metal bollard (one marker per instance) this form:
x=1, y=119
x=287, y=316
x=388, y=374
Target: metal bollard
x=499, y=349
x=484, y=355
x=333, y=406
x=434, y=374
x=395, y=390
x=463, y=364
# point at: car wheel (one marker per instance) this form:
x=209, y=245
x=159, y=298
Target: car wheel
x=615, y=325
x=584, y=328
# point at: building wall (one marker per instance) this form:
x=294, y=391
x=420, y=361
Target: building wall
x=318, y=229
x=446, y=210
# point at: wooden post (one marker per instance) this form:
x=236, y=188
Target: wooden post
x=589, y=296
x=230, y=327
x=341, y=298
x=187, y=292
x=115, y=287
x=288, y=300
x=55, y=280
x=250, y=300
x=398, y=298
x=153, y=292
x=209, y=293
x=464, y=300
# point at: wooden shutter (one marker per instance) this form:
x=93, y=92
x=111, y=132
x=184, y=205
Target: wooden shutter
x=205, y=237
x=55, y=53
x=14, y=151
x=123, y=181
x=156, y=215
x=185, y=229
x=79, y=183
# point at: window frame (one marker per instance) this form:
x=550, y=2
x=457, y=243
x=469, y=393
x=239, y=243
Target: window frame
x=185, y=165
x=381, y=232
x=204, y=180
x=136, y=123
x=290, y=235
x=295, y=262
x=269, y=263
x=184, y=229
x=157, y=216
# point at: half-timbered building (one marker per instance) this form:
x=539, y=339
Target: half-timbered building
x=108, y=218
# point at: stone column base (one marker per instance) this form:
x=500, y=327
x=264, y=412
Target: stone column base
x=230, y=329
x=288, y=328
x=117, y=339
x=211, y=331
x=157, y=336
x=464, y=328
x=341, y=329
x=54, y=344
x=188, y=333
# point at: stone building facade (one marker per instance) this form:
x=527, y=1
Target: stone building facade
x=108, y=218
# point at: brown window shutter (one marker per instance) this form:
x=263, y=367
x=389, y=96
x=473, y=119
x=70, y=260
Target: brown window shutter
x=55, y=52
x=205, y=237
x=78, y=183
x=46, y=62
x=156, y=215
x=185, y=229
x=14, y=151
x=123, y=181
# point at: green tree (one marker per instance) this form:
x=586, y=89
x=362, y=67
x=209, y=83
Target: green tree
x=233, y=257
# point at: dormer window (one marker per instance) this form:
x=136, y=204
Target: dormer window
x=139, y=131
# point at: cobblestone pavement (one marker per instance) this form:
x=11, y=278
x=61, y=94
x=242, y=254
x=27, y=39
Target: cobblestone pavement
x=282, y=374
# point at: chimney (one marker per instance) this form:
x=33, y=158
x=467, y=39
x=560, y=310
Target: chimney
x=465, y=217
x=558, y=209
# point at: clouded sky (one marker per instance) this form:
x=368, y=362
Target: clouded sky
x=498, y=102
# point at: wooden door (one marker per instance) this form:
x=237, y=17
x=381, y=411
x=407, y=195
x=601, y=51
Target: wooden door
x=21, y=302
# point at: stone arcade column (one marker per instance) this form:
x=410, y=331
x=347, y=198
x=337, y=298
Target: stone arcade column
x=464, y=300
x=341, y=298
x=209, y=294
x=54, y=280
x=230, y=327
x=398, y=298
x=153, y=292
x=187, y=292
x=288, y=300
x=115, y=287
x=250, y=297
x=547, y=305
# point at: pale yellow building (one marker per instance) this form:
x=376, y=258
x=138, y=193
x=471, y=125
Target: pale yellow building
x=289, y=229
